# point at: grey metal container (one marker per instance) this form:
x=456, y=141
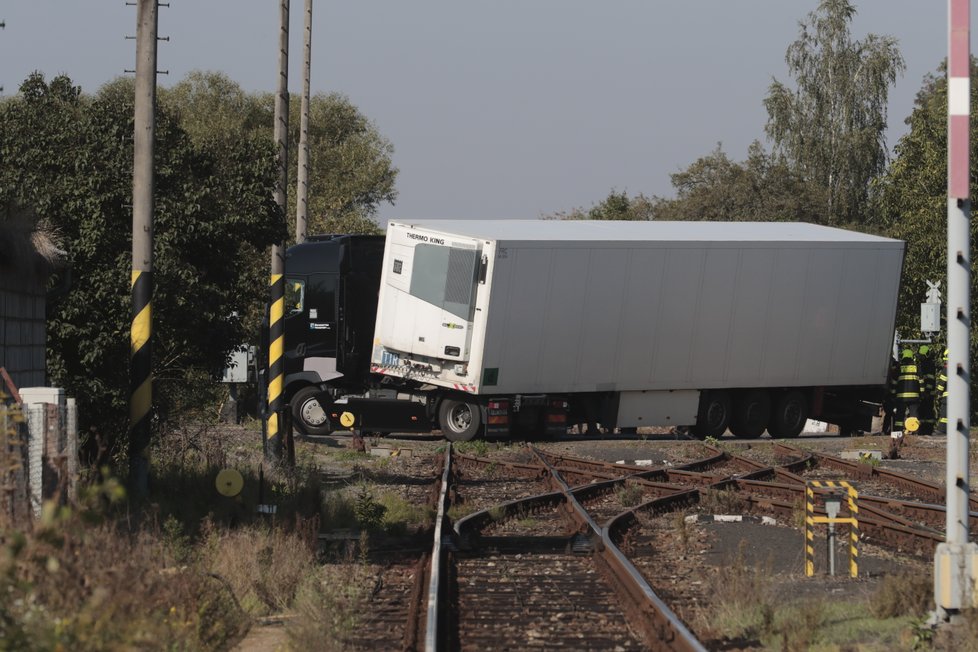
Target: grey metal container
x=573, y=306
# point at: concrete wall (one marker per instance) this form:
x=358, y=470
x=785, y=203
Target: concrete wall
x=22, y=328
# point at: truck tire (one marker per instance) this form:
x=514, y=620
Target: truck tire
x=751, y=414
x=713, y=416
x=789, y=415
x=459, y=420
x=308, y=415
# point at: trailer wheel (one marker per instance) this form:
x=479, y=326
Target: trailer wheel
x=308, y=414
x=713, y=416
x=789, y=416
x=460, y=421
x=751, y=414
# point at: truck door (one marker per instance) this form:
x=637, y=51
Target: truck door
x=310, y=322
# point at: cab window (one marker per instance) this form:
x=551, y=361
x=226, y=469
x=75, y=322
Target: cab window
x=295, y=296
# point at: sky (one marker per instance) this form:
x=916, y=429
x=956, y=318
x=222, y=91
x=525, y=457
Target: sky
x=502, y=109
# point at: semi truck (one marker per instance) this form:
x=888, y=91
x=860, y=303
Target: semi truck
x=507, y=328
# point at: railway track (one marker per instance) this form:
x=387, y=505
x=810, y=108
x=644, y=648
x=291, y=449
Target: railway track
x=535, y=558
x=537, y=571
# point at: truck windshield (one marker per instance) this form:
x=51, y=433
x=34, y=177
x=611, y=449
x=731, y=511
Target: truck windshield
x=445, y=277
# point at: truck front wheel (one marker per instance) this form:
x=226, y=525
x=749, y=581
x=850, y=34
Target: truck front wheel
x=460, y=421
x=309, y=414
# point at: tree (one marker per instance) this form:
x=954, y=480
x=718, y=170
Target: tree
x=351, y=171
x=69, y=157
x=831, y=128
x=911, y=199
x=616, y=206
x=762, y=188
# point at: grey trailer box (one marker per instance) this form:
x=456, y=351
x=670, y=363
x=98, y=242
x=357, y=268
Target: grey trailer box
x=548, y=306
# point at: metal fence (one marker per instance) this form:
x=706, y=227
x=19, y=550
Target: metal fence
x=38, y=458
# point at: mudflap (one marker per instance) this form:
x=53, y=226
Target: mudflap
x=555, y=417
x=496, y=417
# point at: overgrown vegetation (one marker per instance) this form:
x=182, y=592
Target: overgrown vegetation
x=189, y=569
x=720, y=501
x=628, y=494
x=67, y=163
x=903, y=594
x=749, y=611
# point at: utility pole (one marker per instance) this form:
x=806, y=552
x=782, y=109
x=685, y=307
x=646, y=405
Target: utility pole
x=955, y=560
x=3, y=25
x=302, y=185
x=144, y=131
x=273, y=444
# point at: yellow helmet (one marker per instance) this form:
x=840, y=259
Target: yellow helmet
x=924, y=349
x=906, y=353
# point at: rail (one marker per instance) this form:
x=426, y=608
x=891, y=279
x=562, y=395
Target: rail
x=435, y=586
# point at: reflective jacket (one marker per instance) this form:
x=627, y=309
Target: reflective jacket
x=908, y=383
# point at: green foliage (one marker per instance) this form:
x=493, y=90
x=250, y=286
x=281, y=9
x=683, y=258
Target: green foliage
x=69, y=156
x=477, y=447
x=831, y=127
x=717, y=189
x=616, y=206
x=762, y=188
x=401, y=515
x=369, y=513
x=911, y=200
x=350, y=169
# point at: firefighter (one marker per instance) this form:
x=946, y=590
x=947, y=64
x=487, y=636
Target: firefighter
x=941, y=391
x=908, y=394
x=926, y=369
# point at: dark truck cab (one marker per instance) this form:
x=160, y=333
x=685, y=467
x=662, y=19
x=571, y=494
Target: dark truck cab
x=331, y=285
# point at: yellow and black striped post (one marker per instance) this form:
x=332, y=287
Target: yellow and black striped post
x=273, y=443
x=852, y=520
x=140, y=374
x=276, y=367
x=143, y=185
x=809, y=530
x=853, y=532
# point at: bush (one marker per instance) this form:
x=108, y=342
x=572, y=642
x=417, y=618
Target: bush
x=74, y=586
x=263, y=566
x=903, y=594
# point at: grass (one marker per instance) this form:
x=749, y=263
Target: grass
x=903, y=594
x=476, y=447
x=75, y=586
x=746, y=612
x=186, y=568
x=400, y=514
x=459, y=511
x=722, y=502
x=628, y=495
x=328, y=607
x=744, y=603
